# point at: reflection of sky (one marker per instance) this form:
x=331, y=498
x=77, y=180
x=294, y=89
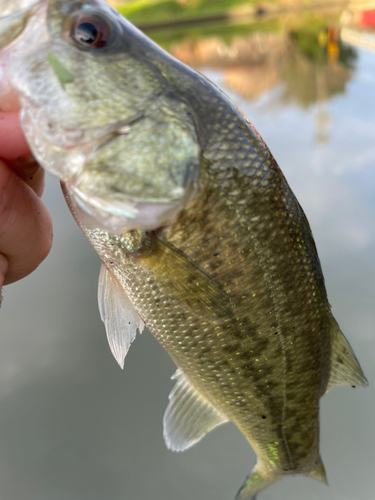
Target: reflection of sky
x=74, y=427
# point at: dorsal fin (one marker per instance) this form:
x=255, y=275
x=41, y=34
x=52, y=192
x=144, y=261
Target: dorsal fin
x=118, y=315
x=189, y=416
x=345, y=369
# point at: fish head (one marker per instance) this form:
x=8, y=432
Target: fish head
x=98, y=113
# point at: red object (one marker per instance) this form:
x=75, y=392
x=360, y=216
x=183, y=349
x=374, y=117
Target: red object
x=367, y=18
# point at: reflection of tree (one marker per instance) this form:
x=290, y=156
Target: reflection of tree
x=307, y=58
x=317, y=67
x=299, y=75
x=251, y=64
x=317, y=46
x=299, y=51
x=313, y=64
x=251, y=81
x=314, y=60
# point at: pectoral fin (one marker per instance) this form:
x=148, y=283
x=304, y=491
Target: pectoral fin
x=192, y=285
x=118, y=315
x=189, y=416
x=345, y=369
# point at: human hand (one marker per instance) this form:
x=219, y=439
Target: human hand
x=25, y=224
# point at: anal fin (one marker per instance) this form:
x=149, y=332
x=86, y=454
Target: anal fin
x=189, y=416
x=345, y=369
x=118, y=315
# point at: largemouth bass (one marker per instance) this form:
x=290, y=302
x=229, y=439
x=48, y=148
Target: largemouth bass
x=200, y=236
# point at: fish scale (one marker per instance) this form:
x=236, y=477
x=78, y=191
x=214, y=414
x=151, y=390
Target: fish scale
x=200, y=236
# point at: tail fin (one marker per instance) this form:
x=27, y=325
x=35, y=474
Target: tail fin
x=318, y=473
x=260, y=479
x=256, y=482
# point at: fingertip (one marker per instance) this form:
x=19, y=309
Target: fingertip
x=3, y=271
x=25, y=226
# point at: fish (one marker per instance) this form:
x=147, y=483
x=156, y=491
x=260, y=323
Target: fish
x=200, y=236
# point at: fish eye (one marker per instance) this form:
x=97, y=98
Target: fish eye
x=91, y=31
x=87, y=33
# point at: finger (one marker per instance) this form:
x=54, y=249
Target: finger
x=30, y=172
x=12, y=140
x=3, y=271
x=9, y=101
x=25, y=226
x=14, y=149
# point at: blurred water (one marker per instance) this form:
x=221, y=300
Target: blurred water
x=73, y=426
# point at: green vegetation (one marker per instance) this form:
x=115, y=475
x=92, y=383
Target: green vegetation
x=315, y=64
x=152, y=11
x=312, y=42
x=316, y=68
x=146, y=12
x=165, y=38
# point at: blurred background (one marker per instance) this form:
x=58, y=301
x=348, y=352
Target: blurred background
x=73, y=426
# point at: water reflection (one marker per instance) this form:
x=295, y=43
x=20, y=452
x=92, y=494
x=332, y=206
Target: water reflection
x=312, y=64
x=307, y=59
x=73, y=426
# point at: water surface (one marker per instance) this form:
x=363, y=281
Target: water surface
x=73, y=426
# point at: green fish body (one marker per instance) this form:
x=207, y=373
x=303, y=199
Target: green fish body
x=201, y=238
